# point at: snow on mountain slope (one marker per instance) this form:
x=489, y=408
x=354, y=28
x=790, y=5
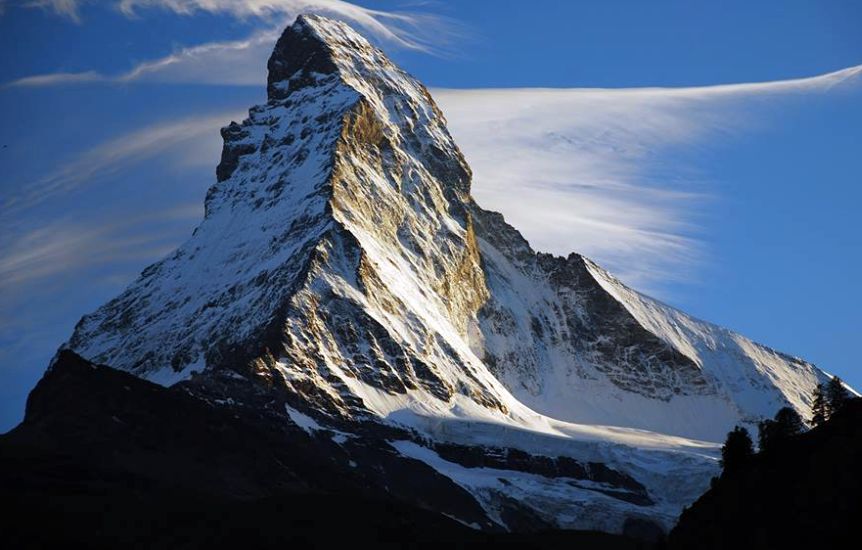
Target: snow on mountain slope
x=757, y=379
x=343, y=276
x=572, y=342
x=260, y=228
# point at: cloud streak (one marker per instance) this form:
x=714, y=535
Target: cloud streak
x=243, y=62
x=179, y=140
x=55, y=79
x=64, y=247
x=66, y=8
x=411, y=30
x=592, y=162
x=233, y=62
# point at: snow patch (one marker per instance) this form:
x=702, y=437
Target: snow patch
x=304, y=421
x=168, y=377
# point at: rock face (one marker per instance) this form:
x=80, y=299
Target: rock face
x=344, y=280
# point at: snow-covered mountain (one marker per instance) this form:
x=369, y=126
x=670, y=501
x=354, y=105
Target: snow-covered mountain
x=344, y=277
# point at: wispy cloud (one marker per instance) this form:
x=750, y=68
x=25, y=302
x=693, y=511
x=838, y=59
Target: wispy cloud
x=62, y=247
x=179, y=140
x=590, y=161
x=66, y=8
x=238, y=62
x=242, y=62
x=51, y=274
x=232, y=62
x=412, y=30
x=54, y=79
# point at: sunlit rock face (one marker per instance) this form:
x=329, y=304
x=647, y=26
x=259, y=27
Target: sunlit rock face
x=344, y=279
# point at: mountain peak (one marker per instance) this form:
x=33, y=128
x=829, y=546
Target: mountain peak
x=314, y=47
x=306, y=49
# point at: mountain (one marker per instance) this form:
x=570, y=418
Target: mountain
x=804, y=494
x=345, y=294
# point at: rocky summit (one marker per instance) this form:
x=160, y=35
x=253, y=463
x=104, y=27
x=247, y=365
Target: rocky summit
x=345, y=295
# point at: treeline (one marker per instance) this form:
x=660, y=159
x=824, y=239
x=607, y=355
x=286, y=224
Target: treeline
x=738, y=448
x=800, y=490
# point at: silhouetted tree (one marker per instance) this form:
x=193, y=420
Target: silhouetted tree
x=772, y=433
x=765, y=434
x=819, y=406
x=789, y=422
x=737, y=450
x=836, y=394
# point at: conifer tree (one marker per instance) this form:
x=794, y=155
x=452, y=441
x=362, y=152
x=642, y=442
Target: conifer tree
x=788, y=422
x=773, y=433
x=765, y=434
x=836, y=394
x=737, y=450
x=819, y=406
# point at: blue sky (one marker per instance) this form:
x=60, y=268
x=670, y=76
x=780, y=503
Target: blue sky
x=737, y=204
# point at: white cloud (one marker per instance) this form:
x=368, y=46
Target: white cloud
x=409, y=30
x=38, y=250
x=53, y=79
x=65, y=246
x=243, y=62
x=67, y=8
x=582, y=169
x=233, y=62
x=179, y=140
x=238, y=62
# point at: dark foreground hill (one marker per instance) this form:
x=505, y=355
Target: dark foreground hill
x=106, y=460
x=806, y=494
